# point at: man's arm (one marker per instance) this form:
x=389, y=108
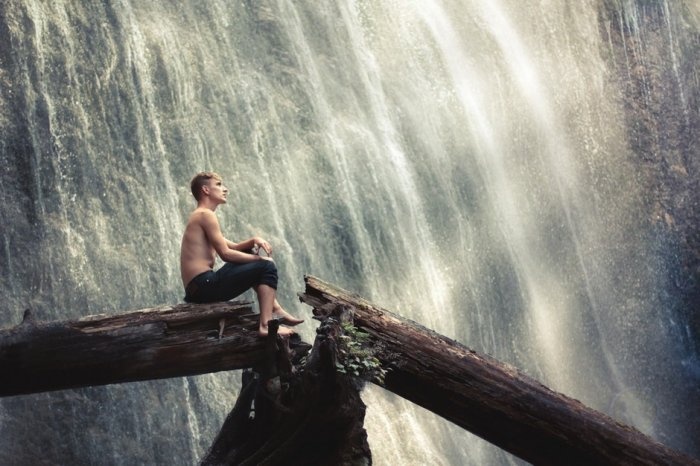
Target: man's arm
x=251, y=243
x=223, y=247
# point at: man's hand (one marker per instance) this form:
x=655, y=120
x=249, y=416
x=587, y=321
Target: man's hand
x=261, y=243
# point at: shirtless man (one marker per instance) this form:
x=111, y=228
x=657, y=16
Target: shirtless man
x=203, y=239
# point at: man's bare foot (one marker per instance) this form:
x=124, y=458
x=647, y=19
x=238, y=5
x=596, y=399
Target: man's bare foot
x=283, y=331
x=285, y=317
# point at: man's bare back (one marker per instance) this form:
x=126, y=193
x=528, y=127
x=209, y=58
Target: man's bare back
x=197, y=255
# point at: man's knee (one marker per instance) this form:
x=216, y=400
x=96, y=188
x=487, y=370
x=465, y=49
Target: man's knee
x=268, y=275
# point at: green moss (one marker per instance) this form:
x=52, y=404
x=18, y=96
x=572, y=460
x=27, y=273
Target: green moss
x=356, y=356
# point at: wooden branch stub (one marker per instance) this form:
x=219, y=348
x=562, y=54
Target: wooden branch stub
x=28, y=317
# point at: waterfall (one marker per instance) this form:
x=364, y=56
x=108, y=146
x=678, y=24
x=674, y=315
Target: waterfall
x=477, y=167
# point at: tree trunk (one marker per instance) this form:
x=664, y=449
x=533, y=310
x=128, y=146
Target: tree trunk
x=166, y=341
x=311, y=415
x=490, y=399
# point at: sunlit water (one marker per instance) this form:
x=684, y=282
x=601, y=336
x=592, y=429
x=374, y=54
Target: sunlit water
x=464, y=164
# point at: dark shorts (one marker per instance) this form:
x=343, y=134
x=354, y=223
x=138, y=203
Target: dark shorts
x=230, y=281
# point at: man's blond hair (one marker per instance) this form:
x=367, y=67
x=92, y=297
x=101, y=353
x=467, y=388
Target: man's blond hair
x=201, y=179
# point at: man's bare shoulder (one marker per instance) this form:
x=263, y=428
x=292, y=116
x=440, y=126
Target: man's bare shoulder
x=200, y=216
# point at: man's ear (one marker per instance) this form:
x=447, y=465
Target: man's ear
x=205, y=190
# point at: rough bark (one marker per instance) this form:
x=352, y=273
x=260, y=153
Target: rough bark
x=166, y=341
x=309, y=415
x=490, y=399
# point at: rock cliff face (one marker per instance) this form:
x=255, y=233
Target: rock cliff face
x=655, y=52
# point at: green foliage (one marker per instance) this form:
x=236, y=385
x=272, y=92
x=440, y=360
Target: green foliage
x=356, y=356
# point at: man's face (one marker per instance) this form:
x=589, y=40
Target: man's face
x=217, y=191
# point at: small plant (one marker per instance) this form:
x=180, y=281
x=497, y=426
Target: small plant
x=356, y=356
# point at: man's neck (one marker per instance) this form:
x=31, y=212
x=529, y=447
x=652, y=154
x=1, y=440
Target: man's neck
x=206, y=203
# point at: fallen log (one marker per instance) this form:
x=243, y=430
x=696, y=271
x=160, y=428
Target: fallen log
x=490, y=399
x=161, y=342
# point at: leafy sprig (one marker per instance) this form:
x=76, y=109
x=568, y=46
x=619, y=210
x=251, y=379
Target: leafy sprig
x=356, y=356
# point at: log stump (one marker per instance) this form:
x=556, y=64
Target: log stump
x=296, y=409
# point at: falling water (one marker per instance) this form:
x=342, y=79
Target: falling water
x=466, y=164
